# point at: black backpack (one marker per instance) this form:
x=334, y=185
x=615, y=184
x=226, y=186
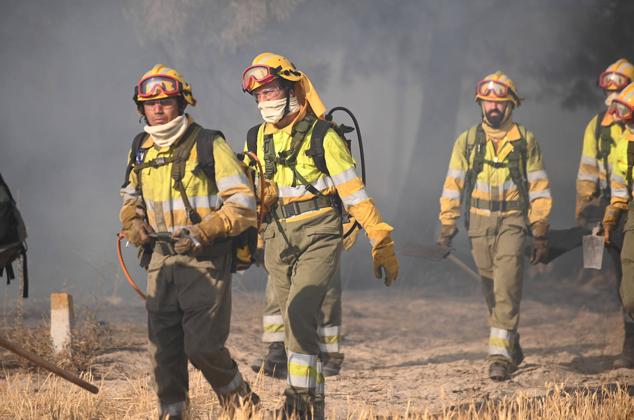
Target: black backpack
x=244, y=245
x=12, y=238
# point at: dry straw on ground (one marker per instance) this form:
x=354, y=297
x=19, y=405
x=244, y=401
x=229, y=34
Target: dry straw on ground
x=28, y=396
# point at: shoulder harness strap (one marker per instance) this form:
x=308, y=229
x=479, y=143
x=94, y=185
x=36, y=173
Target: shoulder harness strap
x=476, y=139
x=517, y=164
x=630, y=165
x=316, y=150
x=134, y=155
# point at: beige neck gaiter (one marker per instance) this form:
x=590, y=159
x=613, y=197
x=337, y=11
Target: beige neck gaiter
x=165, y=135
x=497, y=134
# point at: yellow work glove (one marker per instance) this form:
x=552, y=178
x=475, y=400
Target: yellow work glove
x=351, y=239
x=384, y=260
x=138, y=232
x=192, y=239
x=447, y=232
x=270, y=197
x=611, y=219
x=540, y=242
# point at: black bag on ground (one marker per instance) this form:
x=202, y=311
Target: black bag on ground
x=12, y=237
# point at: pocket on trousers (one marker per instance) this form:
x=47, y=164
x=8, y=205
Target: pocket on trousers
x=325, y=230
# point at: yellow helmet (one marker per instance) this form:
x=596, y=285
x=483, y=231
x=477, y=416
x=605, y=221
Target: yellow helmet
x=622, y=107
x=497, y=87
x=266, y=67
x=618, y=75
x=162, y=82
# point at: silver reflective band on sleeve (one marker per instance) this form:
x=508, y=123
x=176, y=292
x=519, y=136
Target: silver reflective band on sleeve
x=345, y=176
x=450, y=194
x=587, y=177
x=500, y=342
x=243, y=200
x=329, y=338
x=129, y=192
x=304, y=371
x=232, y=182
x=355, y=198
x=197, y=202
x=619, y=192
x=535, y=175
x=588, y=160
x=532, y=195
x=300, y=190
x=235, y=383
x=618, y=179
x=456, y=173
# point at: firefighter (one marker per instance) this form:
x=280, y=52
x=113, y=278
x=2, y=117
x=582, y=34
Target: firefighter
x=496, y=172
x=314, y=174
x=622, y=109
x=189, y=278
x=599, y=143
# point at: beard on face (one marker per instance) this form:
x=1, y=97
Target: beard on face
x=495, y=118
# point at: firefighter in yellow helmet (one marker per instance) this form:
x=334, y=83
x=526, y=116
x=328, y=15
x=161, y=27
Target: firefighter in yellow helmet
x=496, y=172
x=184, y=218
x=303, y=236
x=622, y=110
x=599, y=142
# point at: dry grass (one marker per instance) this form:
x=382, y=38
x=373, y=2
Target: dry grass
x=28, y=396
x=90, y=338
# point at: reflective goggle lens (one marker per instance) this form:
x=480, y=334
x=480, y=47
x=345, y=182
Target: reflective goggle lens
x=490, y=86
x=152, y=86
x=621, y=110
x=614, y=80
x=256, y=74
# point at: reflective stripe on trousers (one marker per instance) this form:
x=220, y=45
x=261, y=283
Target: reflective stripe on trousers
x=273, y=327
x=501, y=342
x=329, y=338
x=304, y=372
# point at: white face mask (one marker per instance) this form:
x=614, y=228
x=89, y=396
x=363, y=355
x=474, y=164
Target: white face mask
x=273, y=111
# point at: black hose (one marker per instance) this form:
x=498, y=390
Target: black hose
x=358, y=130
x=361, y=154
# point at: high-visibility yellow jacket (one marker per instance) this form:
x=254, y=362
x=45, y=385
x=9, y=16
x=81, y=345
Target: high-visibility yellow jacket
x=343, y=178
x=494, y=184
x=230, y=196
x=618, y=181
x=593, y=176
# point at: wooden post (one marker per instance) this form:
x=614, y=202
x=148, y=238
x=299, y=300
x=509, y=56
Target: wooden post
x=62, y=320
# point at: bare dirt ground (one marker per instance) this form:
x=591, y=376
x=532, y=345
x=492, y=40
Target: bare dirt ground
x=422, y=348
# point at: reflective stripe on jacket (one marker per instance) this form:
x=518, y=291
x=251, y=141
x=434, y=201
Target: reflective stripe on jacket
x=494, y=184
x=229, y=196
x=593, y=176
x=618, y=181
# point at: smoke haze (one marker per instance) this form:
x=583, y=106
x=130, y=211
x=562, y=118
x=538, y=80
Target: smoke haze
x=407, y=70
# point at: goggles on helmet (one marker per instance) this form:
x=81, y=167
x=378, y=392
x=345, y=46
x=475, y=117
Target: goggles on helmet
x=493, y=87
x=257, y=74
x=154, y=85
x=621, y=110
x=613, y=81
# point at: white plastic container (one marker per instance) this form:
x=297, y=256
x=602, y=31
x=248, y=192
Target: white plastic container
x=593, y=246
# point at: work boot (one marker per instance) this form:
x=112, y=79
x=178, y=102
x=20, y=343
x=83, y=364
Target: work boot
x=302, y=407
x=518, y=354
x=274, y=364
x=500, y=370
x=331, y=363
x=625, y=360
x=242, y=397
x=173, y=411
